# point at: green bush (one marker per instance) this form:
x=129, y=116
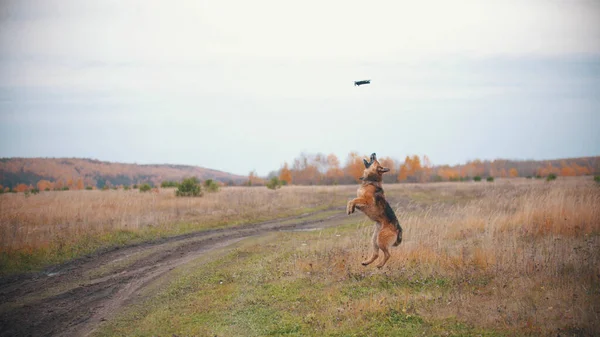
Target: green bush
x=89, y=188
x=105, y=188
x=35, y=191
x=65, y=188
x=490, y=179
x=274, y=183
x=211, y=185
x=145, y=188
x=189, y=187
x=551, y=177
x=597, y=179
x=135, y=186
x=168, y=183
x=477, y=178
x=126, y=188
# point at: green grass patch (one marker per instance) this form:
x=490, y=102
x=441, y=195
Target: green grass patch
x=265, y=287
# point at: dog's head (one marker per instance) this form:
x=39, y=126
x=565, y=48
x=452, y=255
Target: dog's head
x=373, y=170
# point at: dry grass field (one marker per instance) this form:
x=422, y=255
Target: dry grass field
x=53, y=226
x=516, y=257
x=512, y=257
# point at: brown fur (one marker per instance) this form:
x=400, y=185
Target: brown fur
x=371, y=201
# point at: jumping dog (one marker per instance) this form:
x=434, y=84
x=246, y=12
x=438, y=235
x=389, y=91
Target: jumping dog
x=371, y=201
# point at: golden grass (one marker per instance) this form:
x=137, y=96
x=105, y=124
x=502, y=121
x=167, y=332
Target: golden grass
x=520, y=256
x=38, y=221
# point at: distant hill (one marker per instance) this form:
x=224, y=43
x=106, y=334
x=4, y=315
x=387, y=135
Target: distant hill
x=89, y=172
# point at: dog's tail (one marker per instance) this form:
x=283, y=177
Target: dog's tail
x=399, y=238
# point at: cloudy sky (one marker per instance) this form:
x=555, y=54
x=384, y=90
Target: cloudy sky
x=246, y=85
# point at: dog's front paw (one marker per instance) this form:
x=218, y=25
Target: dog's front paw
x=350, y=208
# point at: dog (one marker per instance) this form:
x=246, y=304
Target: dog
x=371, y=201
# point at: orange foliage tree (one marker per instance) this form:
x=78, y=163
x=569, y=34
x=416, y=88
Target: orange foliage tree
x=354, y=166
x=285, y=174
x=513, y=173
x=44, y=185
x=334, y=172
x=21, y=188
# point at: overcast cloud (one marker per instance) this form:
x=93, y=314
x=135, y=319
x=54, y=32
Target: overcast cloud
x=243, y=85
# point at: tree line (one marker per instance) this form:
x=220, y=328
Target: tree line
x=321, y=169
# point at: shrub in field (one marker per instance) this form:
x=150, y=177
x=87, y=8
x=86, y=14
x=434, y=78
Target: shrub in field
x=211, y=185
x=490, y=179
x=274, y=183
x=551, y=177
x=126, y=188
x=597, y=179
x=105, y=188
x=189, y=187
x=35, y=191
x=145, y=188
x=135, y=186
x=477, y=178
x=168, y=183
x=89, y=188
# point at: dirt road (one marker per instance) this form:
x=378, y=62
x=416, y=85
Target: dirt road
x=72, y=299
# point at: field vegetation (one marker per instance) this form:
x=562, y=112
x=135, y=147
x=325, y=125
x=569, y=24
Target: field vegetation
x=513, y=257
x=53, y=226
x=501, y=258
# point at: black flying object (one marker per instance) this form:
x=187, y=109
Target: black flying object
x=359, y=83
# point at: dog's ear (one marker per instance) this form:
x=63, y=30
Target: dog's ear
x=373, y=157
x=367, y=164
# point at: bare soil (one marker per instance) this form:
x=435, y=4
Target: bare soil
x=73, y=298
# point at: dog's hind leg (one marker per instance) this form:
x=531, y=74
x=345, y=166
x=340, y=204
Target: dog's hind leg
x=375, y=253
x=385, y=239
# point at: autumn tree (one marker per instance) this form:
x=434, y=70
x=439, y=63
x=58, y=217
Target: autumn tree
x=254, y=180
x=44, y=185
x=21, y=188
x=513, y=173
x=334, y=172
x=354, y=166
x=412, y=170
x=285, y=174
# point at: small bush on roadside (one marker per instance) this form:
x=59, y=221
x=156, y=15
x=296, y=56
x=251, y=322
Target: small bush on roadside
x=189, y=187
x=135, y=186
x=145, y=188
x=34, y=191
x=89, y=188
x=551, y=177
x=126, y=188
x=105, y=188
x=211, y=185
x=597, y=179
x=477, y=178
x=274, y=183
x=490, y=179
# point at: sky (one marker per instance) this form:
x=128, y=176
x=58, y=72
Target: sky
x=246, y=85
